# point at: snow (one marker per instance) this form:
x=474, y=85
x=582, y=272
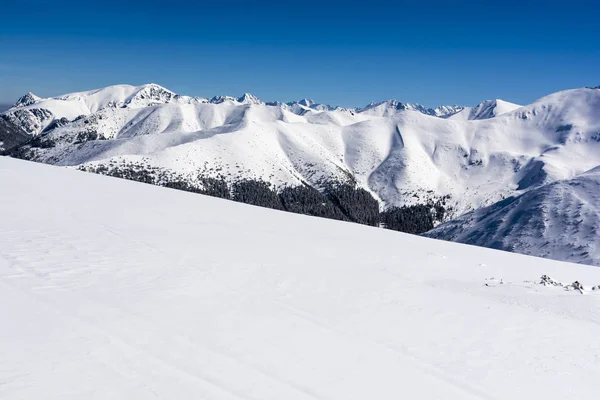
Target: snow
x=248, y=98
x=560, y=220
x=394, y=150
x=116, y=289
x=401, y=153
x=485, y=110
x=73, y=105
x=27, y=99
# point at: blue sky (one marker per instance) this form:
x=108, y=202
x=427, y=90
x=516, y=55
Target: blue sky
x=343, y=53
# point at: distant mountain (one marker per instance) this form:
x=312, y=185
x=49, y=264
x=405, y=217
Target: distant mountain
x=304, y=105
x=27, y=100
x=34, y=114
x=390, y=107
x=560, y=220
x=485, y=110
x=401, y=154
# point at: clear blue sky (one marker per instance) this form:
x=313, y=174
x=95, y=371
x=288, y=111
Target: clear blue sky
x=343, y=53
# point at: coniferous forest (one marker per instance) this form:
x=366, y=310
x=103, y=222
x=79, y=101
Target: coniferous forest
x=339, y=201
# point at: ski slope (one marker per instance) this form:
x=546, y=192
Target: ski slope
x=116, y=289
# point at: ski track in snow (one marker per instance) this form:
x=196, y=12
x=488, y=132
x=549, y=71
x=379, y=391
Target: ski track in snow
x=114, y=289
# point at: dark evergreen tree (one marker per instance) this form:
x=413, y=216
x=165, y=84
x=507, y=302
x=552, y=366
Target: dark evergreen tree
x=307, y=200
x=182, y=185
x=356, y=203
x=215, y=187
x=257, y=193
x=133, y=173
x=415, y=219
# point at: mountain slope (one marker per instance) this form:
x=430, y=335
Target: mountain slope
x=35, y=114
x=398, y=152
x=114, y=289
x=560, y=220
x=11, y=136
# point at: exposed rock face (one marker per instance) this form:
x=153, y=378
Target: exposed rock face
x=11, y=136
x=32, y=121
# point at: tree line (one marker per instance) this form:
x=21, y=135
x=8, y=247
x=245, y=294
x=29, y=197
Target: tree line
x=339, y=201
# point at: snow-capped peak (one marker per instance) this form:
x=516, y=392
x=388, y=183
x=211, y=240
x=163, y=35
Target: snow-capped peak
x=150, y=93
x=306, y=102
x=301, y=106
x=485, y=110
x=492, y=108
x=447, y=111
x=389, y=107
x=221, y=99
x=248, y=98
x=117, y=96
x=27, y=100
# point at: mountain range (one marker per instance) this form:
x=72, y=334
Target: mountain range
x=485, y=162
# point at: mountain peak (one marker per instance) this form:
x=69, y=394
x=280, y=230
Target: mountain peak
x=154, y=87
x=391, y=106
x=485, y=110
x=221, y=99
x=492, y=108
x=301, y=106
x=27, y=100
x=248, y=98
x=306, y=102
x=447, y=111
x=150, y=94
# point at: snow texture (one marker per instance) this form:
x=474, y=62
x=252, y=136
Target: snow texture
x=116, y=289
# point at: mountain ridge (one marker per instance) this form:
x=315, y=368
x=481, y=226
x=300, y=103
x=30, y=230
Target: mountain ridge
x=399, y=154
x=124, y=94
x=363, y=141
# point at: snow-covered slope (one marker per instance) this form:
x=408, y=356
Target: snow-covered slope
x=35, y=114
x=115, y=289
x=560, y=220
x=397, y=151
